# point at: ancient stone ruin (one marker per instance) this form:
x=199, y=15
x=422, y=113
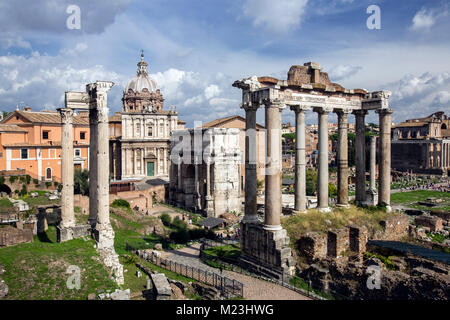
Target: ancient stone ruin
x=265, y=245
x=95, y=100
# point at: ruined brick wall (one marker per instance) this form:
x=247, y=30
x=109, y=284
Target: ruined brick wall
x=434, y=223
x=337, y=242
x=313, y=246
x=394, y=228
x=10, y=236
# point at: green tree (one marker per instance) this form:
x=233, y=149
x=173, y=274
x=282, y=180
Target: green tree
x=81, y=182
x=332, y=190
x=311, y=182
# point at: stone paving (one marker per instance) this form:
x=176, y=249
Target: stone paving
x=254, y=289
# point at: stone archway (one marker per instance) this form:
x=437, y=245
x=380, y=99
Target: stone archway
x=5, y=188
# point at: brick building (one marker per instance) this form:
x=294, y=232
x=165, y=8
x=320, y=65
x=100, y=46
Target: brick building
x=422, y=145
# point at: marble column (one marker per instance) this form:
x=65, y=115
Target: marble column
x=373, y=148
x=342, y=158
x=360, y=156
x=104, y=231
x=300, y=158
x=273, y=201
x=435, y=160
x=197, y=187
x=250, y=163
x=208, y=198
x=67, y=212
x=93, y=167
x=322, y=172
x=384, y=180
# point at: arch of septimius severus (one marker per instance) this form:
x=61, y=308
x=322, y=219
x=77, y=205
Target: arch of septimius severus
x=264, y=246
x=95, y=100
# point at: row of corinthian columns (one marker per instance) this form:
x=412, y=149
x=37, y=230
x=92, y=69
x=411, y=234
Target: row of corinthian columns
x=273, y=202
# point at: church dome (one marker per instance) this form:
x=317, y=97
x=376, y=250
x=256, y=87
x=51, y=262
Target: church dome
x=142, y=80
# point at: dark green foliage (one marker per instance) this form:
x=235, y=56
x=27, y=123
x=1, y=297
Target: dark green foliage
x=311, y=182
x=35, y=181
x=179, y=224
x=23, y=191
x=28, y=178
x=166, y=219
x=81, y=182
x=120, y=203
x=2, y=179
x=180, y=236
x=332, y=190
x=48, y=184
x=12, y=179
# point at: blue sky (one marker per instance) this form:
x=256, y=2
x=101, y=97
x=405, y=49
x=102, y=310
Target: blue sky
x=197, y=48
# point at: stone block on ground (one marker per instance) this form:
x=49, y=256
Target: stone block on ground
x=161, y=287
x=120, y=295
x=4, y=290
x=158, y=246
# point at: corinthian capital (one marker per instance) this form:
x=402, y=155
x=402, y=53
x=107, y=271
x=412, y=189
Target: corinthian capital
x=66, y=115
x=299, y=108
x=250, y=106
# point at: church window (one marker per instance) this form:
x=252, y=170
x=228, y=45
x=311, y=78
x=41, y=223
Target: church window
x=150, y=131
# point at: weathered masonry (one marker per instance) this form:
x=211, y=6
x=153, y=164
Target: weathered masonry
x=264, y=245
x=95, y=100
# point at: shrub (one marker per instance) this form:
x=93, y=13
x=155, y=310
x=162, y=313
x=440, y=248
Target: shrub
x=120, y=203
x=180, y=236
x=28, y=178
x=48, y=184
x=166, y=220
x=55, y=184
x=179, y=224
x=35, y=181
x=24, y=191
x=12, y=179
x=22, y=179
x=2, y=179
x=60, y=186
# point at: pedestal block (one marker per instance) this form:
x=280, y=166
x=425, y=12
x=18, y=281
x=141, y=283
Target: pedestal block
x=266, y=251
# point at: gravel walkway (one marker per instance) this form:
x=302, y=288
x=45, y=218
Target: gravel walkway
x=254, y=289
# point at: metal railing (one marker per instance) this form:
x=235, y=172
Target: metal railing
x=228, y=287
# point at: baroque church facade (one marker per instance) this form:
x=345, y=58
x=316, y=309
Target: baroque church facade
x=140, y=134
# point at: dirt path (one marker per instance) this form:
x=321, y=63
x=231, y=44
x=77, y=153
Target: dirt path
x=254, y=289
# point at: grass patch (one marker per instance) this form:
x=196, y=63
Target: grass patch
x=436, y=237
x=386, y=260
x=411, y=199
x=37, y=271
x=314, y=220
x=227, y=251
x=301, y=284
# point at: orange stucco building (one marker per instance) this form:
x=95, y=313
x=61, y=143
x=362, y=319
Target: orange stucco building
x=31, y=141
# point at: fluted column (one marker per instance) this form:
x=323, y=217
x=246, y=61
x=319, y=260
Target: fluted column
x=273, y=201
x=322, y=172
x=385, y=122
x=435, y=162
x=342, y=157
x=250, y=163
x=360, y=156
x=93, y=167
x=300, y=158
x=67, y=212
x=373, y=160
x=208, y=198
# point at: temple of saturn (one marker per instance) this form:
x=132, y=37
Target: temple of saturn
x=95, y=100
x=264, y=245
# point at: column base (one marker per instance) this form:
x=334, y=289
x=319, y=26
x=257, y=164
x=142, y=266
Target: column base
x=371, y=198
x=272, y=227
x=266, y=252
x=388, y=209
x=75, y=232
x=105, y=247
x=250, y=218
x=343, y=206
x=299, y=211
x=327, y=209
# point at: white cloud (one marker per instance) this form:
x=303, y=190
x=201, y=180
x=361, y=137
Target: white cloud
x=427, y=18
x=343, y=71
x=275, y=16
x=212, y=91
